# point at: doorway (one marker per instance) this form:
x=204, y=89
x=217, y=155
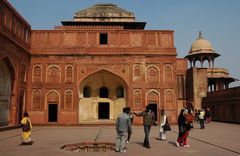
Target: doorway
x=52, y=112
x=153, y=107
x=103, y=110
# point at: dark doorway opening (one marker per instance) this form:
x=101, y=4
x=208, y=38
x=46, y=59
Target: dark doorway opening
x=52, y=112
x=153, y=107
x=103, y=110
x=103, y=92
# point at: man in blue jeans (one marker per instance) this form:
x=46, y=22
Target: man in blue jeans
x=148, y=120
x=123, y=128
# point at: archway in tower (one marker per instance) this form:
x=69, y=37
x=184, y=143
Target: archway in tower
x=6, y=81
x=103, y=95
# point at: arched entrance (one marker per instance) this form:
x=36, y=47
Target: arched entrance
x=6, y=78
x=102, y=97
x=53, y=98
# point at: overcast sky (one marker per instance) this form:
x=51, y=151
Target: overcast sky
x=219, y=21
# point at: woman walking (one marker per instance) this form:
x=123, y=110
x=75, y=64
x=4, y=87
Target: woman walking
x=162, y=132
x=181, y=127
x=26, y=130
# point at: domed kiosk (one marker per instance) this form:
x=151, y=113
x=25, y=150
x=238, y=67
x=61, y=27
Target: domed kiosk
x=201, y=80
x=201, y=50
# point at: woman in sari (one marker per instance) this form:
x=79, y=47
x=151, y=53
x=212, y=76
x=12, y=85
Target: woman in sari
x=26, y=130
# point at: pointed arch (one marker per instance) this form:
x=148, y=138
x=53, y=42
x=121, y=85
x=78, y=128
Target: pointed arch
x=68, y=100
x=169, y=102
x=153, y=73
x=152, y=96
x=36, y=99
x=69, y=73
x=103, y=100
x=137, y=99
x=53, y=96
x=53, y=74
x=103, y=77
x=168, y=74
x=7, y=78
x=37, y=73
x=137, y=70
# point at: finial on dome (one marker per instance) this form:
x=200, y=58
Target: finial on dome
x=200, y=34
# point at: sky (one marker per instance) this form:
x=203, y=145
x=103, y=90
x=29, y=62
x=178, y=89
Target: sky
x=218, y=20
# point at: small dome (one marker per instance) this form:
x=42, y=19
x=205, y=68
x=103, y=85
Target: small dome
x=201, y=46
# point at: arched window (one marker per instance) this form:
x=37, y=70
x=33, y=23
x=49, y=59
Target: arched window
x=87, y=92
x=103, y=92
x=120, y=92
x=36, y=99
x=37, y=73
x=68, y=99
x=69, y=74
x=53, y=74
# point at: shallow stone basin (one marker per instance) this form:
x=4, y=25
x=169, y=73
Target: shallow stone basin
x=90, y=147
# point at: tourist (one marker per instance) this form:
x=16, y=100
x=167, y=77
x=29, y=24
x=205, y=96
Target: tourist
x=188, y=125
x=201, y=119
x=162, y=132
x=26, y=130
x=196, y=113
x=131, y=116
x=181, y=128
x=123, y=128
x=207, y=115
x=147, y=123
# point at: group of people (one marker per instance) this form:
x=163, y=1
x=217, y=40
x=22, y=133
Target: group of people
x=202, y=116
x=124, y=126
x=124, y=129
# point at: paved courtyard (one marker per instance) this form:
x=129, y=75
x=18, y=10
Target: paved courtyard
x=219, y=139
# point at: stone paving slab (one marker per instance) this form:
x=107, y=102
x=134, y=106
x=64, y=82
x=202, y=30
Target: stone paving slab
x=218, y=139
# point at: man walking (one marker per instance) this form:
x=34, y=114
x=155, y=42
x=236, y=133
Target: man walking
x=123, y=128
x=147, y=123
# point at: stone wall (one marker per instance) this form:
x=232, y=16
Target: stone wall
x=224, y=105
x=15, y=35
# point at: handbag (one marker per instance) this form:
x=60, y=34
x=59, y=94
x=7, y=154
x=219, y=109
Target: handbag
x=182, y=129
x=26, y=127
x=166, y=126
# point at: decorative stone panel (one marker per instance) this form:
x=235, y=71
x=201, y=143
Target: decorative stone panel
x=54, y=74
x=153, y=74
x=68, y=102
x=37, y=100
x=37, y=73
x=137, y=99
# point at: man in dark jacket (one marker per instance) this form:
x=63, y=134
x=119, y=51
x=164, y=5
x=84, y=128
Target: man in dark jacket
x=147, y=123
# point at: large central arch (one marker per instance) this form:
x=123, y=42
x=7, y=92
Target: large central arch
x=102, y=95
x=5, y=90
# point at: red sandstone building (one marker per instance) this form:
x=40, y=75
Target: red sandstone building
x=86, y=70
